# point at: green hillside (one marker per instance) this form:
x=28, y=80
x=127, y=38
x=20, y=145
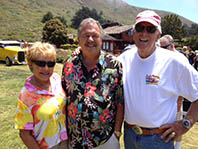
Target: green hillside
x=21, y=19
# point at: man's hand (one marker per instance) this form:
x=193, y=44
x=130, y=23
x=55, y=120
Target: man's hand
x=76, y=52
x=173, y=131
x=117, y=134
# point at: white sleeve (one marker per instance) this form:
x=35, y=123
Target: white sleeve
x=188, y=82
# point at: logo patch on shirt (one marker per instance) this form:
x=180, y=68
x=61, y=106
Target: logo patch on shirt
x=152, y=79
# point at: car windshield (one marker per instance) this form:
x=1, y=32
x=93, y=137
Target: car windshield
x=11, y=45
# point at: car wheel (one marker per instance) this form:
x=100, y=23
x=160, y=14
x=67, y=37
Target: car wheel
x=8, y=61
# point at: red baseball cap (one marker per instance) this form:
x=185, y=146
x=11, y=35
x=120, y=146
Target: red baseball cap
x=151, y=17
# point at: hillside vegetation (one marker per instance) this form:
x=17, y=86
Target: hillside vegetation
x=21, y=19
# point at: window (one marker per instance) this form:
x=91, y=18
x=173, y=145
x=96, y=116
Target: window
x=104, y=45
x=107, y=46
x=111, y=46
x=130, y=32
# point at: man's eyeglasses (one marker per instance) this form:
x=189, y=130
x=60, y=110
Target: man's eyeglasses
x=149, y=29
x=166, y=46
x=44, y=63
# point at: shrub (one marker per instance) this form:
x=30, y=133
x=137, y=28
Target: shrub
x=69, y=46
x=62, y=55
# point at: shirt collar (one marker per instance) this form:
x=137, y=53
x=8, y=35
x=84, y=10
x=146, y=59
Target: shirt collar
x=101, y=63
x=32, y=88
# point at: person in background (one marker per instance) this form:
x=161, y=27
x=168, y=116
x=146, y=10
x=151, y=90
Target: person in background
x=196, y=60
x=40, y=115
x=191, y=55
x=93, y=84
x=185, y=51
x=167, y=42
x=153, y=78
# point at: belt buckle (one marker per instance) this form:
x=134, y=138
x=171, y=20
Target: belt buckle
x=137, y=130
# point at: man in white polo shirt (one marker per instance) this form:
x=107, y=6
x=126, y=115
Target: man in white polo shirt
x=153, y=79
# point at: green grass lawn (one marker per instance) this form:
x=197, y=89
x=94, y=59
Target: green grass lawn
x=12, y=80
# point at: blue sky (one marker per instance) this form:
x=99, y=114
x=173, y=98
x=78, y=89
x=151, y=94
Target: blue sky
x=185, y=8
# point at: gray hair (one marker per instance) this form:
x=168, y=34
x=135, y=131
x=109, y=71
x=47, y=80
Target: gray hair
x=88, y=21
x=168, y=38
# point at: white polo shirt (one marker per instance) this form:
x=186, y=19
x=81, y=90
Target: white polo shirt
x=152, y=86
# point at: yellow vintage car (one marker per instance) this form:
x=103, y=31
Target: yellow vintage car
x=12, y=53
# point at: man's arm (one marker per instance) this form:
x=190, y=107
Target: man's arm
x=192, y=114
x=179, y=114
x=179, y=103
x=119, y=119
x=119, y=95
x=177, y=127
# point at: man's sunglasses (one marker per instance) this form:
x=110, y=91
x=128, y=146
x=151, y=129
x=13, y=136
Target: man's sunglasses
x=149, y=29
x=44, y=63
x=166, y=46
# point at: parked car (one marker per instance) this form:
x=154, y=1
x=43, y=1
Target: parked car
x=12, y=53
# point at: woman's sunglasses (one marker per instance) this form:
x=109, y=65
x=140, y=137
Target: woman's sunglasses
x=149, y=29
x=44, y=63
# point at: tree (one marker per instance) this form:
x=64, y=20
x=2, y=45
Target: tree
x=193, y=29
x=55, y=32
x=172, y=25
x=48, y=16
x=62, y=19
x=193, y=42
x=84, y=13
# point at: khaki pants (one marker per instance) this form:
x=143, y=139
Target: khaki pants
x=112, y=143
x=61, y=145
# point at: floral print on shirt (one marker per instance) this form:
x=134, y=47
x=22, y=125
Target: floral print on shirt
x=43, y=112
x=92, y=99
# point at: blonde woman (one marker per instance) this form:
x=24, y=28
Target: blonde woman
x=40, y=115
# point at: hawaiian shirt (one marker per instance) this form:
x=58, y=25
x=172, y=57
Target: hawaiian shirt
x=43, y=112
x=92, y=99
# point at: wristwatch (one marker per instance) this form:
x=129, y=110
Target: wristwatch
x=117, y=133
x=186, y=123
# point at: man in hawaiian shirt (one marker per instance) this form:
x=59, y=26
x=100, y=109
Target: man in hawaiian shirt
x=93, y=84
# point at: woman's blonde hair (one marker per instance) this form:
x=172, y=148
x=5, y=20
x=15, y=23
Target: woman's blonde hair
x=40, y=49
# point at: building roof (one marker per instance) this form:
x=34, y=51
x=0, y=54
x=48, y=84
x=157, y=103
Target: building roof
x=111, y=24
x=108, y=37
x=117, y=29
